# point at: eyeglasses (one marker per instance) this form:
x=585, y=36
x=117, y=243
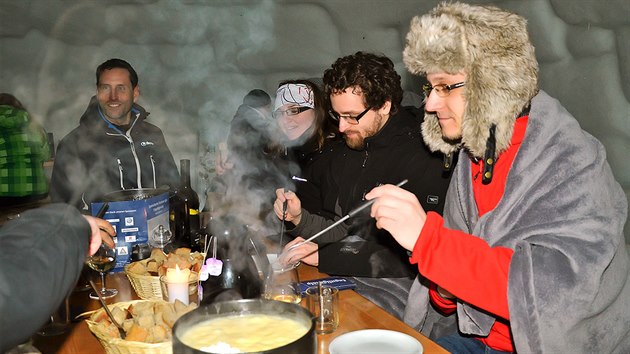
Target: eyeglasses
x=442, y=90
x=290, y=111
x=354, y=120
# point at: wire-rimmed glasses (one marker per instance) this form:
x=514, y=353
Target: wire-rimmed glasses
x=442, y=90
x=354, y=120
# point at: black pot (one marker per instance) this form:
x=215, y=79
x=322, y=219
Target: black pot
x=306, y=344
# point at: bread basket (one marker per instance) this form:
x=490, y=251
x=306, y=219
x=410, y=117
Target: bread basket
x=148, y=287
x=121, y=346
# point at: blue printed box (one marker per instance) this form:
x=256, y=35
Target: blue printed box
x=133, y=221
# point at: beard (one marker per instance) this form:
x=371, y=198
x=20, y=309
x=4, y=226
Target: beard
x=357, y=140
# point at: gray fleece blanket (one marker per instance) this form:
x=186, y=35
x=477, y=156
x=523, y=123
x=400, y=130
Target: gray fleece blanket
x=563, y=214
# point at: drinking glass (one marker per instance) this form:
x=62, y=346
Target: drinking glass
x=323, y=302
x=102, y=261
x=282, y=283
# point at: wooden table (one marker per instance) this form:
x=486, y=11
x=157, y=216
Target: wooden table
x=9, y=213
x=356, y=313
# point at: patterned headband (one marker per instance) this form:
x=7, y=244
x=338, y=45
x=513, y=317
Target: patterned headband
x=298, y=94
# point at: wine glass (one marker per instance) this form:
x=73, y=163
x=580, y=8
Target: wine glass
x=102, y=261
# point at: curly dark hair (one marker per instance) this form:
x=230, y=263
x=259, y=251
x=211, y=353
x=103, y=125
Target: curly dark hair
x=374, y=74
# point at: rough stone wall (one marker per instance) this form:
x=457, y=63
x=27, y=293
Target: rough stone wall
x=196, y=59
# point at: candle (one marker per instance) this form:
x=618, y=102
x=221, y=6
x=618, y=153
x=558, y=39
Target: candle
x=177, y=284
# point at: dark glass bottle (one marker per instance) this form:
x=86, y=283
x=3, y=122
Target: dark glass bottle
x=185, y=211
x=238, y=276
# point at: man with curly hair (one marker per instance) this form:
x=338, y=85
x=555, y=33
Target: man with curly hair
x=383, y=145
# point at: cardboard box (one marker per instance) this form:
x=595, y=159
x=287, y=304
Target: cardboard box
x=133, y=221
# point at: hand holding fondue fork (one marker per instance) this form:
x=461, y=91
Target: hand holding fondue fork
x=294, y=244
x=287, y=206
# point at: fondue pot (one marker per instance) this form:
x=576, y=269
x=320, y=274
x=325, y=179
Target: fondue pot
x=304, y=345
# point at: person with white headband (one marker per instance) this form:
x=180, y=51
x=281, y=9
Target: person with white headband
x=308, y=138
x=529, y=255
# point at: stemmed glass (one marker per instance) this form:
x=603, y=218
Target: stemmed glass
x=102, y=261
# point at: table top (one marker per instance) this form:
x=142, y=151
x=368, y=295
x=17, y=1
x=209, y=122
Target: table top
x=356, y=313
x=8, y=213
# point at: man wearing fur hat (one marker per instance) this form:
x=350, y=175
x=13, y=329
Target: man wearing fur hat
x=529, y=255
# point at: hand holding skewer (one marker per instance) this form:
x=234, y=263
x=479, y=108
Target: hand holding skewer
x=352, y=213
x=399, y=212
x=287, y=206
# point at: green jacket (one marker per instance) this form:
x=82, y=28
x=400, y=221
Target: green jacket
x=23, y=149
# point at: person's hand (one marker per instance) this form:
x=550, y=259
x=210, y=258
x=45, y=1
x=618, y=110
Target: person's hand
x=306, y=253
x=399, y=212
x=221, y=161
x=294, y=206
x=102, y=232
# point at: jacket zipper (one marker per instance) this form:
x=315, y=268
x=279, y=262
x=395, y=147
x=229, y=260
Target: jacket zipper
x=132, y=145
x=153, y=169
x=120, y=173
x=365, y=159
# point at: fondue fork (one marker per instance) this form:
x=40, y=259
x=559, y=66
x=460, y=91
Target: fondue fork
x=121, y=331
x=284, y=213
x=346, y=217
x=101, y=212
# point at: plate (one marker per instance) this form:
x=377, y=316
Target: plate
x=375, y=341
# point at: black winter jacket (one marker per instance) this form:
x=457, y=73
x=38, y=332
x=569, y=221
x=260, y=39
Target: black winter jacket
x=357, y=247
x=309, y=166
x=96, y=158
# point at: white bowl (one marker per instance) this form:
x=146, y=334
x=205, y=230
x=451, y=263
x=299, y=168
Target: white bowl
x=375, y=341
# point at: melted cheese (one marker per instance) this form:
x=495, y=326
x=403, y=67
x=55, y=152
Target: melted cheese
x=244, y=333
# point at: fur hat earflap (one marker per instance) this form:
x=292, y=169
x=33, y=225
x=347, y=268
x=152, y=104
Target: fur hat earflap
x=491, y=46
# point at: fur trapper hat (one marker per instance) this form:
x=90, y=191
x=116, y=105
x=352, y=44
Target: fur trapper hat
x=492, y=47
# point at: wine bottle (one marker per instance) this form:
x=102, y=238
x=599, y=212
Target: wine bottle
x=229, y=271
x=185, y=211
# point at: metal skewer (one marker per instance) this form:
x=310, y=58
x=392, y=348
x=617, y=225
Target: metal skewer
x=101, y=212
x=284, y=218
x=121, y=331
x=346, y=217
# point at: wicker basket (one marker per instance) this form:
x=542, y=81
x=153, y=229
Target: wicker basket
x=121, y=346
x=148, y=286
